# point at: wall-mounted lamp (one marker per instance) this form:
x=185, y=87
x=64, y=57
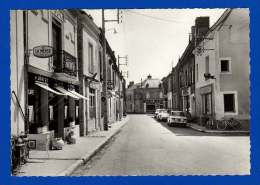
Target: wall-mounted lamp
x=114, y=30
x=209, y=76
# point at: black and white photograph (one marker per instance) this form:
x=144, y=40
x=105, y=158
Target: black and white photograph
x=130, y=92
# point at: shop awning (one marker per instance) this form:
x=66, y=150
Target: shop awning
x=79, y=95
x=66, y=92
x=46, y=87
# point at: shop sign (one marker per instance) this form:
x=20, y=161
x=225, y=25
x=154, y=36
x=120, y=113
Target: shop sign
x=41, y=78
x=94, y=85
x=43, y=51
x=206, y=89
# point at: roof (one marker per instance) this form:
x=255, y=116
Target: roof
x=152, y=83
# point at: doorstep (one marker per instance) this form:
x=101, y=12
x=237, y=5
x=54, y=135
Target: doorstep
x=203, y=129
x=64, y=162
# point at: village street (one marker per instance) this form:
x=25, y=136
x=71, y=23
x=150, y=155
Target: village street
x=148, y=147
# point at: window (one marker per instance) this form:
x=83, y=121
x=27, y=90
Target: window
x=147, y=95
x=197, y=72
x=229, y=103
x=207, y=64
x=186, y=77
x=225, y=65
x=92, y=103
x=90, y=58
x=100, y=64
x=57, y=45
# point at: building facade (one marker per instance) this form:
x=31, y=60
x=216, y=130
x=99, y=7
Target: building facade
x=90, y=62
x=57, y=73
x=145, y=97
x=167, y=85
x=18, y=106
x=222, y=68
x=186, y=68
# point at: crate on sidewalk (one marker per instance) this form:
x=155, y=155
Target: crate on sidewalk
x=41, y=141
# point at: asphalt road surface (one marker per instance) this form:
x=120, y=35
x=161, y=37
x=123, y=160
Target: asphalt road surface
x=148, y=147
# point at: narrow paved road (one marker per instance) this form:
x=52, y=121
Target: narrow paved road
x=147, y=147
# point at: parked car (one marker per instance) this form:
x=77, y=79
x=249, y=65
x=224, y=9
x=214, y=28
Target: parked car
x=163, y=115
x=177, y=118
x=156, y=113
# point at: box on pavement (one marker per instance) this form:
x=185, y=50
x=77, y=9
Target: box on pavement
x=41, y=141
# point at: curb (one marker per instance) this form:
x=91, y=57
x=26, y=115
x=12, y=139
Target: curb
x=88, y=156
x=219, y=132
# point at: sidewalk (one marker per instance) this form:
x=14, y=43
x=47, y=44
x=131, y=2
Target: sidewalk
x=203, y=129
x=64, y=162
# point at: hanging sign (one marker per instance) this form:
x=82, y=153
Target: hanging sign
x=43, y=51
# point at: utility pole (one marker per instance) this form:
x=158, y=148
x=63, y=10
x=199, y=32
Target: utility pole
x=121, y=82
x=105, y=98
x=104, y=72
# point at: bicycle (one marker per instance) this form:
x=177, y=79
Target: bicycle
x=20, y=152
x=210, y=124
x=228, y=124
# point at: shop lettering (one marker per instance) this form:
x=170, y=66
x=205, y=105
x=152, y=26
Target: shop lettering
x=43, y=51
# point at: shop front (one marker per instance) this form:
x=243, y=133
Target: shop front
x=152, y=104
x=94, y=104
x=206, y=108
x=53, y=108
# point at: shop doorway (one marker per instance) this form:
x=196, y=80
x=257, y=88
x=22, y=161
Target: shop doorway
x=150, y=108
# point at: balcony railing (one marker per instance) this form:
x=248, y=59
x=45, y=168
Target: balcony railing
x=65, y=63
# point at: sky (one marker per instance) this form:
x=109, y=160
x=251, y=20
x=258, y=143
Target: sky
x=153, y=39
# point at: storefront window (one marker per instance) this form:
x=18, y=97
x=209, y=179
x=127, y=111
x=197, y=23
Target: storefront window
x=77, y=112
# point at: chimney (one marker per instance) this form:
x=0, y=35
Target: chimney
x=193, y=28
x=201, y=26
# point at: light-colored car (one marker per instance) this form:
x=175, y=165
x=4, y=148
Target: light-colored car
x=163, y=115
x=156, y=113
x=177, y=118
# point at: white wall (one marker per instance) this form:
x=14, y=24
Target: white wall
x=231, y=41
x=17, y=70
x=39, y=34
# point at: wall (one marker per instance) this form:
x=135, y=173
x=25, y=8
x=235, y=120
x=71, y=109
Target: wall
x=234, y=43
x=228, y=42
x=93, y=124
x=199, y=73
x=17, y=70
x=39, y=26
x=40, y=33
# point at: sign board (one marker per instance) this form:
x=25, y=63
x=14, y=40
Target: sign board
x=205, y=90
x=95, y=85
x=43, y=51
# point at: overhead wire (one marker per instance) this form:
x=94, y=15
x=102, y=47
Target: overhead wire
x=156, y=18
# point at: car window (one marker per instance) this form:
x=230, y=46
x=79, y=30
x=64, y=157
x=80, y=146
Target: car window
x=178, y=114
